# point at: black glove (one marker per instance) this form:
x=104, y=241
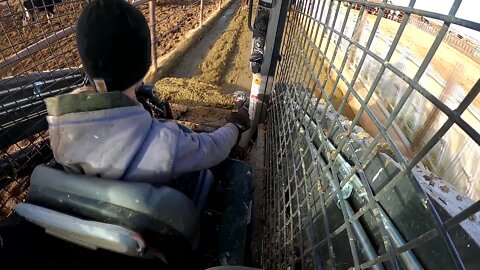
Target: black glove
x=256, y=57
x=240, y=119
x=150, y=100
x=255, y=67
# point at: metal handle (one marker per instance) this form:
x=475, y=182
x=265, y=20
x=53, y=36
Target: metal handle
x=239, y=98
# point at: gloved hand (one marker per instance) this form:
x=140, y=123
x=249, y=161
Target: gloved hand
x=240, y=119
x=255, y=67
x=256, y=57
x=256, y=60
x=151, y=101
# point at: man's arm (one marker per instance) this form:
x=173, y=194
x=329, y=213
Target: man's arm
x=198, y=151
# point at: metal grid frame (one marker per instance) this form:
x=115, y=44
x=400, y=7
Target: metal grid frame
x=42, y=51
x=311, y=165
x=29, y=53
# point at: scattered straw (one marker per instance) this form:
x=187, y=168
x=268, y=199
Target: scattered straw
x=213, y=67
x=193, y=92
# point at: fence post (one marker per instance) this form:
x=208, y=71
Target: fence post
x=201, y=13
x=356, y=37
x=153, y=39
x=432, y=117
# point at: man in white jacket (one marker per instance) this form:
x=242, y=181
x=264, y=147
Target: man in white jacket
x=107, y=133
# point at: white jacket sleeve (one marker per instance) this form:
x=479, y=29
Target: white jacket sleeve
x=198, y=151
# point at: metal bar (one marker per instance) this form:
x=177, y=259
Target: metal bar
x=201, y=13
x=435, y=112
x=449, y=224
x=446, y=18
x=337, y=81
x=474, y=92
x=340, y=199
x=310, y=49
x=42, y=44
x=408, y=258
x=250, y=11
x=275, y=30
x=386, y=65
x=322, y=145
x=153, y=33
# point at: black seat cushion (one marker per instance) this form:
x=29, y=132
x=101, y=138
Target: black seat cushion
x=163, y=214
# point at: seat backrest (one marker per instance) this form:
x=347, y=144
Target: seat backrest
x=163, y=212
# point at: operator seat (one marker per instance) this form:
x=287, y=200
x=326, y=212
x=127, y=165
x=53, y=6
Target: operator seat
x=134, y=219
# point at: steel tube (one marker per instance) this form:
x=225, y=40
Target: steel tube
x=153, y=37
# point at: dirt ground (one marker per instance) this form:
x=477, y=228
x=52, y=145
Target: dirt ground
x=15, y=37
x=173, y=20
x=205, y=99
x=35, y=139
x=238, y=74
x=193, y=92
x=12, y=194
x=200, y=119
x=16, y=154
x=216, y=62
x=445, y=59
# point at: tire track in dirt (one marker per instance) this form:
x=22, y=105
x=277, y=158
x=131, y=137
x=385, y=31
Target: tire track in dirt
x=238, y=74
x=220, y=71
x=190, y=62
x=223, y=57
x=218, y=58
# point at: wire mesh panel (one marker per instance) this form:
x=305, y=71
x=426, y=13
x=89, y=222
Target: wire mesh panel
x=38, y=59
x=372, y=138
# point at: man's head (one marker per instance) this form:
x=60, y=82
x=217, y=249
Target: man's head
x=113, y=41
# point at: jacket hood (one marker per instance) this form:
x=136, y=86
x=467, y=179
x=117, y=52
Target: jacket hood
x=96, y=134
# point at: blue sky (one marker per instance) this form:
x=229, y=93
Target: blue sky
x=469, y=9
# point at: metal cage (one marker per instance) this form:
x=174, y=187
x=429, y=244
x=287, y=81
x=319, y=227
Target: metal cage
x=371, y=144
